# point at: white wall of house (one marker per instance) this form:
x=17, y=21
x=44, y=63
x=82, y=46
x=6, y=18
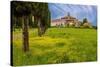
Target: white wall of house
x=55, y=23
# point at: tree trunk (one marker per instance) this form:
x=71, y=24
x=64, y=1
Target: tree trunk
x=14, y=22
x=25, y=33
x=39, y=28
x=35, y=21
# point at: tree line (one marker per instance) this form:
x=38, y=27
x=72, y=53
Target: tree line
x=21, y=17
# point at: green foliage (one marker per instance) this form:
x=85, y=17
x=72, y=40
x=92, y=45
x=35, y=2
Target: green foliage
x=20, y=8
x=58, y=45
x=95, y=27
x=86, y=24
x=85, y=20
x=38, y=10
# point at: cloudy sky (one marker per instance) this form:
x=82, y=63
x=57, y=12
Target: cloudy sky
x=78, y=11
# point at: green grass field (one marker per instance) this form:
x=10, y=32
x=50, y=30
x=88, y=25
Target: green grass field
x=58, y=45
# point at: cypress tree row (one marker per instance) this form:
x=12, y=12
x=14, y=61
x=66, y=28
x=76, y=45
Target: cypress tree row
x=22, y=13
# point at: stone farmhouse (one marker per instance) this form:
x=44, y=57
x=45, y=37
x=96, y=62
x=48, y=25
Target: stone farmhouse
x=66, y=21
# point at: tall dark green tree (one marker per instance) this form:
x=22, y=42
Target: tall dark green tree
x=41, y=14
x=23, y=10
x=85, y=20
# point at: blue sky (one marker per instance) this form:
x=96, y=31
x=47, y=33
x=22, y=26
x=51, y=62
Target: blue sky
x=78, y=11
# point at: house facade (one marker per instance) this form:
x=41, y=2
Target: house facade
x=66, y=21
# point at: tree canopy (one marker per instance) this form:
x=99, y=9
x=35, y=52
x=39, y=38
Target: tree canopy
x=36, y=9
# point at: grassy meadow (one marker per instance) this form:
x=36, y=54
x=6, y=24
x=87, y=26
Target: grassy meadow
x=57, y=45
